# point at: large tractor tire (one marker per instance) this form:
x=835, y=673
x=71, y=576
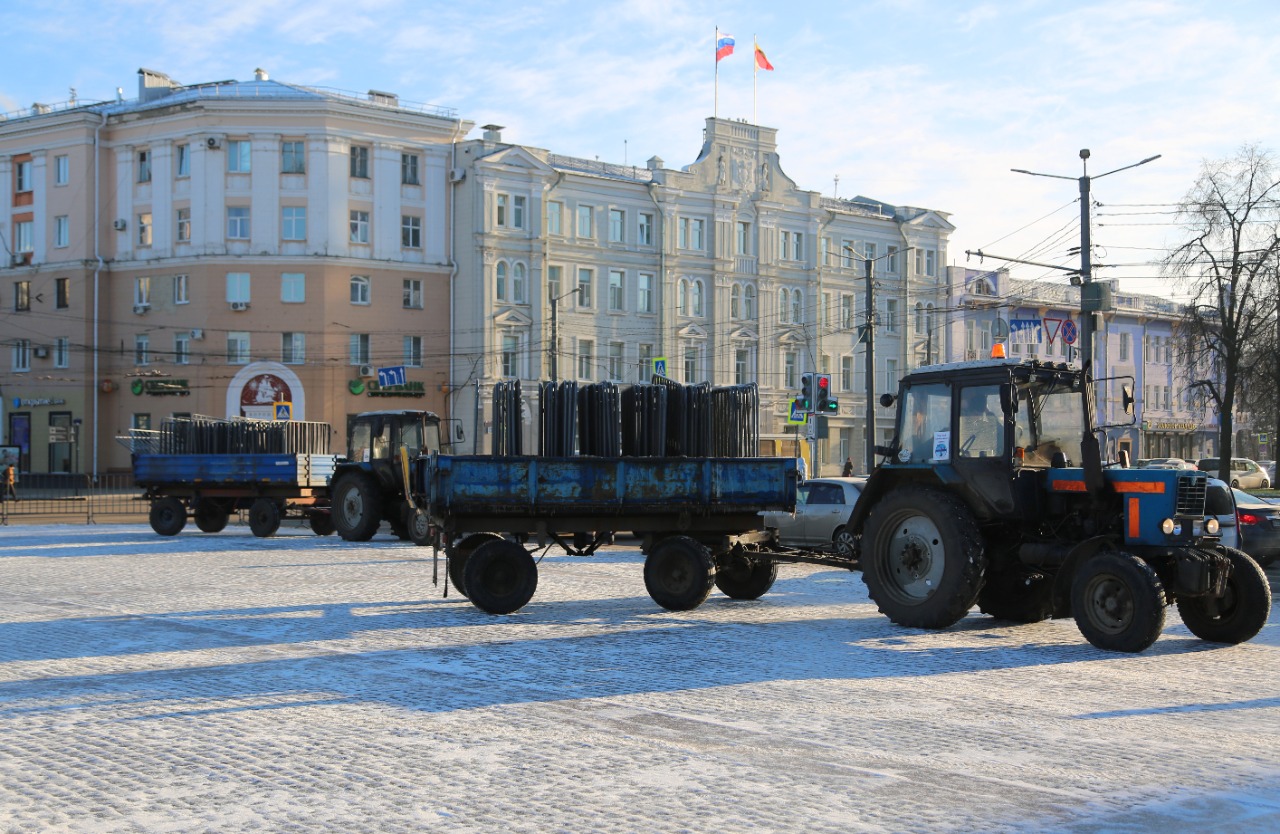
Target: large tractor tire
x=922, y=557
x=743, y=576
x=1017, y=596
x=168, y=516
x=264, y=518
x=501, y=577
x=679, y=573
x=459, y=552
x=355, y=508
x=1118, y=602
x=210, y=517
x=1240, y=613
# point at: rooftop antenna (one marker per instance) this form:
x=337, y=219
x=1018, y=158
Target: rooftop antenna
x=837, y=178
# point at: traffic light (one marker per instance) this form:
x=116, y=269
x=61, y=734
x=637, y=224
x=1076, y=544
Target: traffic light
x=826, y=404
x=805, y=400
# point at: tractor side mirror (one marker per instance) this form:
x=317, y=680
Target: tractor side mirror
x=1009, y=398
x=1126, y=398
x=887, y=400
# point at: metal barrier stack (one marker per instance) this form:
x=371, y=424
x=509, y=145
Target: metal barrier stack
x=557, y=418
x=199, y=434
x=508, y=428
x=599, y=420
x=644, y=421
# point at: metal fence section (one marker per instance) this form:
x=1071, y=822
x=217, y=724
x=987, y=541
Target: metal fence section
x=73, y=498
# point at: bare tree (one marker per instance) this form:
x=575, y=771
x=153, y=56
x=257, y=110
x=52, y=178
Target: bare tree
x=1227, y=262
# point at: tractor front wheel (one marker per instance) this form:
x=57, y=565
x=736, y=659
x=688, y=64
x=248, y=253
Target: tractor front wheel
x=1118, y=602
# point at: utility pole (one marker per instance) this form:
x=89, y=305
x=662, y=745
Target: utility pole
x=554, y=348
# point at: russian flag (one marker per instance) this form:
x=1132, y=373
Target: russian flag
x=724, y=45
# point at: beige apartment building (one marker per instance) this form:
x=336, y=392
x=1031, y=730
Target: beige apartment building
x=218, y=249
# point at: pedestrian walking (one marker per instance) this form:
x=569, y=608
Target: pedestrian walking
x=10, y=481
x=847, y=472
x=802, y=466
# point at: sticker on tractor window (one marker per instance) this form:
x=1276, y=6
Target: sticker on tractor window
x=941, y=445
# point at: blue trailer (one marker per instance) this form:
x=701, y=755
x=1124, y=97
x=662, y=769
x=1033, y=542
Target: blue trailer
x=699, y=520
x=210, y=487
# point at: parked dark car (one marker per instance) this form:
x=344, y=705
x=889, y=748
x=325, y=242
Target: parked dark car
x=1258, y=523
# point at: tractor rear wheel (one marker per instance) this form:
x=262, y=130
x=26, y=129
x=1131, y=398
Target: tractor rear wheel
x=1118, y=602
x=740, y=576
x=922, y=557
x=1240, y=613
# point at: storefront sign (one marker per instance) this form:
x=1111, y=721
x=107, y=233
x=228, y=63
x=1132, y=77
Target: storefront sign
x=372, y=389
x=1170, y=425
x=33, y=402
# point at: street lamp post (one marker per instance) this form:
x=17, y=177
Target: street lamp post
x=554, y=347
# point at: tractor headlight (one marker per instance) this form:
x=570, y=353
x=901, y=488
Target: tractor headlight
x=1168, y=527
x=1211, y=526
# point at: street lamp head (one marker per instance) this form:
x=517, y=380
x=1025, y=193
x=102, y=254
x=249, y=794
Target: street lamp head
x=1084, y=153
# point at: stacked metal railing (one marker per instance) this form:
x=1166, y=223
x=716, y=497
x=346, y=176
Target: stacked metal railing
x=201, y=435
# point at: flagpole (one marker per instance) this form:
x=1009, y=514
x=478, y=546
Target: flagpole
x=715, y=49
x=755, y=71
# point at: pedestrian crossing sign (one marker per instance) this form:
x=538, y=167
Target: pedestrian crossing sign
x=797, y=416
x=283, y=410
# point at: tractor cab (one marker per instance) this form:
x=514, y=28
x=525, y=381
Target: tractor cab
x=374, y=438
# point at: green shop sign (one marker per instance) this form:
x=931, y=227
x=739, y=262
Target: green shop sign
x=372, y=389
x=160, y=387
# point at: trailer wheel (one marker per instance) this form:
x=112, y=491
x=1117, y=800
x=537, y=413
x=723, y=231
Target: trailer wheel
x=459, y=552
x=922, y=558
x=501, y=577
x=168, y=516
x=264, y=517
x=419, y=524
x=1118, y=602
x=355, y=508
x=1017, y=596
x=1240, y=613
x=210, y=517
x=740, y=576
x=679, y=573
x=321, y=522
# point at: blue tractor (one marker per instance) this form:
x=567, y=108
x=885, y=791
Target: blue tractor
x=994, y=492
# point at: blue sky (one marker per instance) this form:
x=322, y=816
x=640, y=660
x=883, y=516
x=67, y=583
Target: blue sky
x=918, y=102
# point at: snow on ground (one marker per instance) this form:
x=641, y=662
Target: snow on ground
x=227, y=683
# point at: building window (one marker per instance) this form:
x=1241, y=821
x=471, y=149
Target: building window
x=360, y=289
x=890, y=375
x=294, y=222
x=784, y=306
x=555, y=218
x=797, y=307
x=238, y=347
x=22, y=355
x=22, y=296
x=142, y=421
x=62, y=231
x=644, y=232
x=238, y=156
x=360, y=162
x=645, y=365
x=183, y=168
x=144, y=229
x=742, y=366
x=61, y=352
x=144, y=166
x=142, y=291
x=742, y=238
x=293, y=158
x=931, y=262
x=510, y=355
x=61, y=170
x=413, y=293
x=691, y=356
x=238, y=287
x=23, y=175
x=735, y=301
x=142, y=349
x=586, y=358
x=500, y=203
x=696, y=298
x=584, y=221
x=1124, y=347
x=410, y=231
x=644, y=293
x=616, y=291
x=749, y=302
x=518, y=206
x=293, y=287
x=238, y=222
x=554, y=276
x=184, y=225
x=846, y=373
x=682, y=236
x=409, y=169
x=182, y=348
x=586, y=278
x=617, y=225
x=358, y=349
x=413, y=351
x=518, y=283
x=293, y=348
x=500, y=281
x=24, y=236
x=891, y=315
x=615, y=360
x=359, y=227
x=180, y=290
x=792, y=246
x=62, y=293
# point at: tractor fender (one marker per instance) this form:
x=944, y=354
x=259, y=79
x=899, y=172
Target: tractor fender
x=1078, y=555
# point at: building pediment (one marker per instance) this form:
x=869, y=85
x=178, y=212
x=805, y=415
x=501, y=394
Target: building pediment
x=744, y=334
x=514, y=157
x=512, y=317
x=691, y=331
x=791, y=336
x=929, y=219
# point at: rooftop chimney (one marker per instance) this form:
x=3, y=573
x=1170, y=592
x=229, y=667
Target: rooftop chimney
x=260, y=75
x=492, y=133
x=153, y=85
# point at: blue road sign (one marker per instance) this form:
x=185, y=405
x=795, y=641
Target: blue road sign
x=660, y=366
x=393, y=375
x=1069, y=332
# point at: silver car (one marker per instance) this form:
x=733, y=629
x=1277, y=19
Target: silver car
x=1245, y=474
x=823, y=505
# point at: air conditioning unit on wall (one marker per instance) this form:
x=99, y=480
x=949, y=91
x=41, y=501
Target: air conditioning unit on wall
x=197, y=334
x=239, y=306
x=213, y=143
x=41, y=351
x=141, y=308
x=367, y=372
x=119, y=225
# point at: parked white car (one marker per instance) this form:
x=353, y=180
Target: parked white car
x=1245, y=473
x=1269, y=466
x=823, y=505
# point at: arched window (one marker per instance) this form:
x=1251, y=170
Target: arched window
x=928, y=317
x=500, y=281
x=518, y=283
x=735, y=301
x=359, y=289
x=797, y=307
x=682, y=297
x=784, y=306
x=919, y=318
x=749, y=302
x=697, y=298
